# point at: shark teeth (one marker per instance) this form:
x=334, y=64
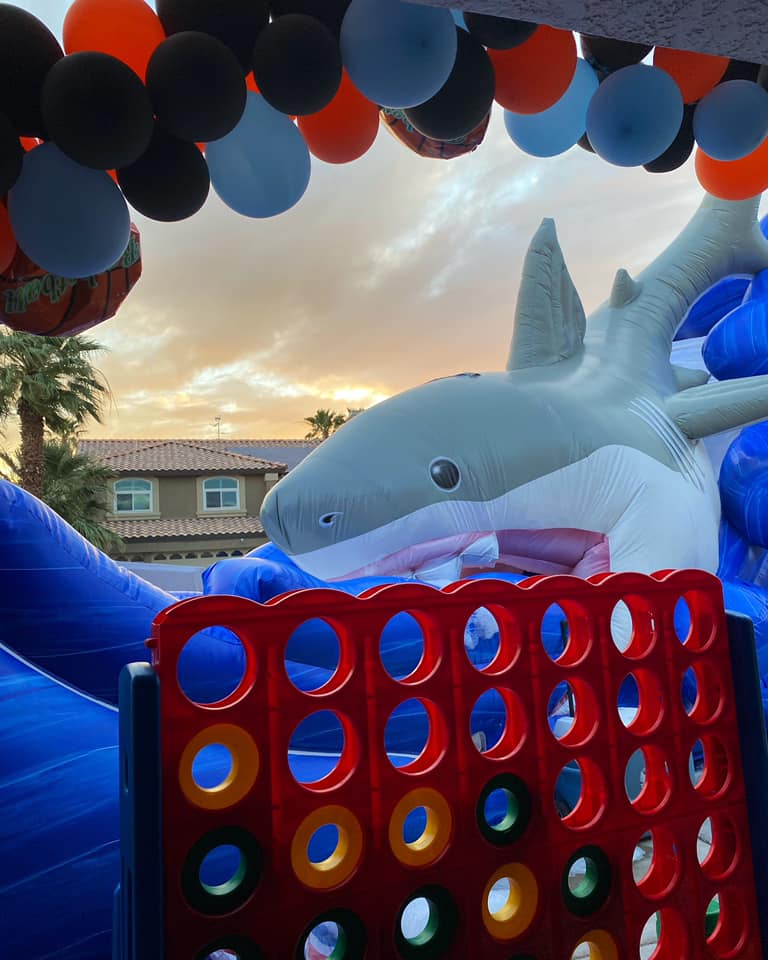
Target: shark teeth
x=483, y=553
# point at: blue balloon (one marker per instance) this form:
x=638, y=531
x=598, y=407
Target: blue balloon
x=634, y=115
x=458, y=19
x=737, y=346
x=262, y=167
x=732, y=120
x=758, y=289
x=70, y=220
x=712, y=306
x=557, y=129
x=398, y=54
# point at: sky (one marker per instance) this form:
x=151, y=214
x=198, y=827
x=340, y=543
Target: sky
x=389, y=272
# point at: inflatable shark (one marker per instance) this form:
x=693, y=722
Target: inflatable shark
x=583, y=456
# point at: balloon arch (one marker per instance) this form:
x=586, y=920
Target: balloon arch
x=153, y=108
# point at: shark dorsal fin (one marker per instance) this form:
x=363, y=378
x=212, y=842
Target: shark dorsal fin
x=549, y=319
x=625, y=289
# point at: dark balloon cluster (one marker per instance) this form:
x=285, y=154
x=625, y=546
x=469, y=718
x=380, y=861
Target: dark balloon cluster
x=153, y=108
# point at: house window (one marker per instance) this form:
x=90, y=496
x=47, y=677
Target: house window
x=133, y=496
x=221, y=493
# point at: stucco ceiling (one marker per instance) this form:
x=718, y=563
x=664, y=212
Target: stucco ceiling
x=732, y=28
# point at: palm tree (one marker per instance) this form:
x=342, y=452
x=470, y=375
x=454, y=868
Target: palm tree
x=323, y=424
x=48, y=383
x=76, y=487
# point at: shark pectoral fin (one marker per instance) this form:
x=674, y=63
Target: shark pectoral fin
x=624, y=290
x=549, y=317
x=687, y=377
x=703, y=411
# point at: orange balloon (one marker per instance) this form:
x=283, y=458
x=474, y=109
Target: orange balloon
x=129, y=30
x=345, y=129
x=250, y=83
x=695, y=73
x=734, y=179
x=532, y=77
x=7, y=240
x=29, y=143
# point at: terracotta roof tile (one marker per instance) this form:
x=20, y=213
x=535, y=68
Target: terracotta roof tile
x=173, y=456
x=178, y=527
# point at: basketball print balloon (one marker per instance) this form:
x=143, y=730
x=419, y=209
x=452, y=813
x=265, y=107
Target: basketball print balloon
x=33, y=301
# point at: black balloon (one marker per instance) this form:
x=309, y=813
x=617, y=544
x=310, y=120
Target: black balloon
x=169, y=182
x=11, y=155
x=329, y=12
x=679, y=150
x=297, y=64
x=741, y=70
x=28, y=50
x=498, y=33
x=97, y=110
x=584, y=143
x=612, y=54
x=762, y=77
x=236, y=23
x=465, y=98
x=197, y=87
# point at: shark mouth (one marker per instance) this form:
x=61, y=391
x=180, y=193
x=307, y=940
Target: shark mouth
x=581, y=553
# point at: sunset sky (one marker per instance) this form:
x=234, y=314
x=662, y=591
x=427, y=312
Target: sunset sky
x=391, y=271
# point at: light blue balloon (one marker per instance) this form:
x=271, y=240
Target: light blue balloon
x=732, y=120
x=262, y=167
x=397, y=54
x=557, y=129
x=458, y=19
x=634, y=115
x=70, y=220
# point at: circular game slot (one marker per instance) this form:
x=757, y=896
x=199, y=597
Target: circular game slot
x=640, y=702
x=415, y=736
x=656, y=863
x=504, y=809
x=708, y=767
x=234, y=674
x=581, y=795
x=327, y=847
x=586, y=881
x=334, y=935
x=695, y=620
x=219, y=766
x=718, y=847
x=221, y=871
x=323, y=751
x=648, y=780
x=572, y=712
x=492, y=640
x=420, y=827
x=565, y=634
x=498, y=724
x=426, y=924
x=407, y=653
x=510, y=901
x=231, y=948
x=702, y=693
x=316, y=660
x=633, y=627
x=667, y=930
x=726, y=924
x=596, y=945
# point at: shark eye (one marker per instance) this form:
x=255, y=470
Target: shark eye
x=329, y=519
x=445, y=474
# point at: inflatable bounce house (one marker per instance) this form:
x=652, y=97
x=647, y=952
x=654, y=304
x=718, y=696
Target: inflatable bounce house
x=479, y=696
x=583, y=457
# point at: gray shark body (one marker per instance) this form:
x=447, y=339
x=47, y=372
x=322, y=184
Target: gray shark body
x=582, y=456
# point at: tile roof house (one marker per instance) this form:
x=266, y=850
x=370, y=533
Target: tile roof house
x=191, y=501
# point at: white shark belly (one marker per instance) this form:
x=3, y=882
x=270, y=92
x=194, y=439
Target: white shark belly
x=652, y=516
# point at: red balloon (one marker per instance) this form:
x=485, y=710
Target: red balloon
x=532, y=77
x=734, y=179
x=345, y=129
x=129, y=30
x=7, y=239
x=29, y=143
x=33, y=301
